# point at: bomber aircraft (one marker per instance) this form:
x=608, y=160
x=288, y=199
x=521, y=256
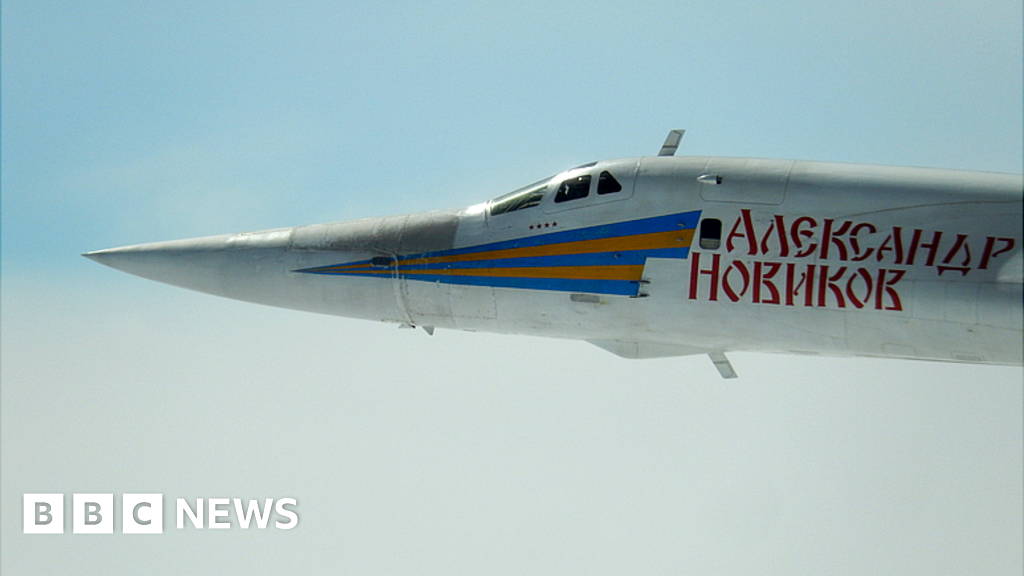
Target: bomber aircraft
x=663, y=256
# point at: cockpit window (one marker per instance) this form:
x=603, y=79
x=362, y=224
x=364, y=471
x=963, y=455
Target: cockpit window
x=607, y=184
x=526, y=197
x=573, y=188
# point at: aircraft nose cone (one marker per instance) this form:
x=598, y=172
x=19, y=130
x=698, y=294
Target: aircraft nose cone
x=145, y=259
x=210, y=264
x=105, y=257
x=267, y=267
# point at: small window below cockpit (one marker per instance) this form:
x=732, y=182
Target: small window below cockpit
x=526, y=197
x=710, y=233
x=607, y=184
x=573, y=188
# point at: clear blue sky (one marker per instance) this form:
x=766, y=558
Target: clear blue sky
x=127, y=122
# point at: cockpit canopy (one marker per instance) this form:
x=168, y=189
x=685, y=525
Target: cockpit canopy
x=568, y=186
x=525, y=197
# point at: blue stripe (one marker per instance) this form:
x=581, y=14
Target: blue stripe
x=630, y=258
x=681, y=221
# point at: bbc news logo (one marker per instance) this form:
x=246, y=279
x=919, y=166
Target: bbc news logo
x=144, y=513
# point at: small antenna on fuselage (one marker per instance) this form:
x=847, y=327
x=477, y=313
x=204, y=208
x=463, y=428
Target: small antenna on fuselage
x=671, y=143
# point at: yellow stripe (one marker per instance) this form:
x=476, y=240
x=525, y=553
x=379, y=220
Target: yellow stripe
x=631, y=272
x=654, y=240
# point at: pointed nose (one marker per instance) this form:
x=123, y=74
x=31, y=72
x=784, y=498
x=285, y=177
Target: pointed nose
x=271, y=266
x=212, y=264
x=262, y=267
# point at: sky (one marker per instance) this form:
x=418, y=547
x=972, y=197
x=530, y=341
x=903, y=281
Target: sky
x=468, y=453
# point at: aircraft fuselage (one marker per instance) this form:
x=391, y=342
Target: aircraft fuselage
x=664, y=256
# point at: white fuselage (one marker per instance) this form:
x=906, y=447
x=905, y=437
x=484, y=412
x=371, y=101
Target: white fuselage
x=663, y=256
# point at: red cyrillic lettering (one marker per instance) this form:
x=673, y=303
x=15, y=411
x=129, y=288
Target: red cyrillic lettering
x=695, y=273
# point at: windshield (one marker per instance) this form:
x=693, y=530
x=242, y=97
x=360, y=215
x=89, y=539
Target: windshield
x=525, y=197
